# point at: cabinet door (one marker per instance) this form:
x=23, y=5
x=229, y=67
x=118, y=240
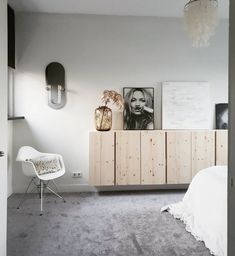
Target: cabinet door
x=101, y=158
x=179, y=156
x=203, y=150
x=153, y=162
x=127, y=157
x=221, y=147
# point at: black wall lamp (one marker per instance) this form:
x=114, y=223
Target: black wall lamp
x=55, y=80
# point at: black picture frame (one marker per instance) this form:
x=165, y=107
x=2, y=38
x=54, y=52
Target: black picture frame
x=221, y=111
x=138, y=111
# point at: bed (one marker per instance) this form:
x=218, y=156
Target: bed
x=204, y=209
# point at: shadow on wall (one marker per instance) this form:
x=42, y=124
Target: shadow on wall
x=117, y=120
x=26, y=138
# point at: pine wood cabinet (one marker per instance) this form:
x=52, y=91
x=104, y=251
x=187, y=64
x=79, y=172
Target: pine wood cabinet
x=221, y=147
x=101, y=158
x=153, y=157
x=127, y=157
x=203, y=150
x=179, y=160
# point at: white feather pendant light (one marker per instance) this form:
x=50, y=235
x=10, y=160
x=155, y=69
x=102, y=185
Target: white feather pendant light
x=201, y=18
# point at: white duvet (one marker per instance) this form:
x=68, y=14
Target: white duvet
x=204, y=209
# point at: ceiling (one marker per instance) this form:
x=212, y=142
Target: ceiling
x=161, y=8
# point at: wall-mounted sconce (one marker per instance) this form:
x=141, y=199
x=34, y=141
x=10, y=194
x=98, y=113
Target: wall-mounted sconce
x=55, y=79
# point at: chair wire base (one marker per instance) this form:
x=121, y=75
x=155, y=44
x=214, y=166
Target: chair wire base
x=43, y=185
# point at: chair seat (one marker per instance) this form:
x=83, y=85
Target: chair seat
x=51, y=176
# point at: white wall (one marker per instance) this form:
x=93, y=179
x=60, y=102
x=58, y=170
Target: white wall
x=101, y=52
x=10, y=158
x=10, y=129
x=3, y=127
x=231, y=135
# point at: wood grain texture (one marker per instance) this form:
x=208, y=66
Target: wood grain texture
x=94, y=158
x=153, y=157
x=203, y=150
x=221, y=147
x=179, y=156
x=101, y=166
x=127, y=157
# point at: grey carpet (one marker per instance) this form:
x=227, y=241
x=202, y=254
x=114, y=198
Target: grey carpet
x=107, y=224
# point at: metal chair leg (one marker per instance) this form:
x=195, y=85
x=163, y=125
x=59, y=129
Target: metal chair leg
x=38, y=188
x=23, y=199
x=41, y=188
x=57, y=190
x=53, y=192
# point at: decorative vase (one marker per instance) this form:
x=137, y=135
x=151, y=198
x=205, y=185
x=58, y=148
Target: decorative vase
x=103, y=118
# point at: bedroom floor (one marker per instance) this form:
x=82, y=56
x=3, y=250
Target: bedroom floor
x=107, y=224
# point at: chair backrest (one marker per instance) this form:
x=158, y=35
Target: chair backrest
x=27, y=152
x=24, y=154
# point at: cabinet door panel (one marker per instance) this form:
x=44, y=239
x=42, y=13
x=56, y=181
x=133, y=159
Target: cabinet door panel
x=127, y=157
x=153, y=162
x=179, y=157
x=203, y=150
x=222, y=147
x=102, y=158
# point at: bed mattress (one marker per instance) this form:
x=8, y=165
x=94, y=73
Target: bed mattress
x=204, y=209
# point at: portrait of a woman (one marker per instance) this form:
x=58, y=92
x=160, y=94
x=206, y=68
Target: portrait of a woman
x=138, y=108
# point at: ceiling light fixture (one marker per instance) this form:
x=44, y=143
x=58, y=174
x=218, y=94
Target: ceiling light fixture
x=201, y=18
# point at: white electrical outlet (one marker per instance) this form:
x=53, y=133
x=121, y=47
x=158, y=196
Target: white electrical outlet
x=76, y=174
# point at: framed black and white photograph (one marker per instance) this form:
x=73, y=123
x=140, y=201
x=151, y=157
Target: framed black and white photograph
x=138, y=108
x=221, y=110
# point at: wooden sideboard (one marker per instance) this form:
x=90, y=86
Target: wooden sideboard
x=154, y=157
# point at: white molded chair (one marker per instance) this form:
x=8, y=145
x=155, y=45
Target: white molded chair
x=24, y=154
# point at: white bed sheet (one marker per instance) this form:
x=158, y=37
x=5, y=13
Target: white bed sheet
x=204, y=209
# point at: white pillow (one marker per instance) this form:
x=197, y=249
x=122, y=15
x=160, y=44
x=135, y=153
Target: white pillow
x=46, y=164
